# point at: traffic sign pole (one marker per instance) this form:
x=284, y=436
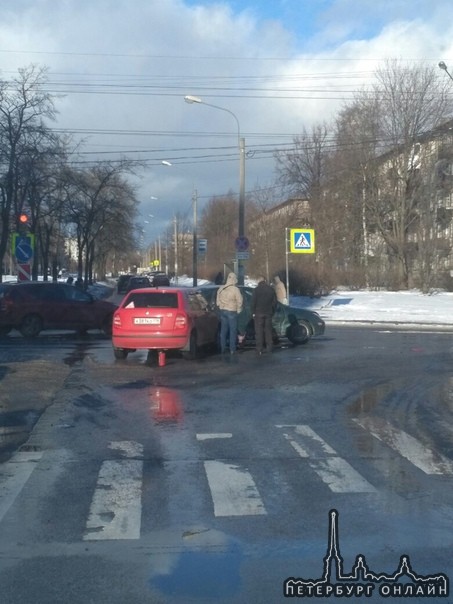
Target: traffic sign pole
x=23, y=250
x=23, y=272
x=287, y=260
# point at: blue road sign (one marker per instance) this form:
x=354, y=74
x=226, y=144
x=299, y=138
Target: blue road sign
x=302, y=241
x=242, y=244
x=23, y=248
x=202, y=245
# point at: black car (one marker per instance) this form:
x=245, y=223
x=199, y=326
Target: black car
x=159, y=279
x=298, y=325
x=122, y=283
x=137, y=282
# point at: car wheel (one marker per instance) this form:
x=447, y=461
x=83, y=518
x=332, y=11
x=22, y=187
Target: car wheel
x=192, y=353
x=298, y=333
x=107, y=325
x=120, y=353
x=31, y=326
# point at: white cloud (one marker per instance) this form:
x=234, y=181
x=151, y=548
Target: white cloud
x=127, y=66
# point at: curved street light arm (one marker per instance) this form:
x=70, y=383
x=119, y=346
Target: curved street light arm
x=443, y=66
x=241, y=147
x=198, y=101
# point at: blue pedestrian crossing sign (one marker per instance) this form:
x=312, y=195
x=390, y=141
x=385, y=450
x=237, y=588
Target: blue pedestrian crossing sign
x=302, y=241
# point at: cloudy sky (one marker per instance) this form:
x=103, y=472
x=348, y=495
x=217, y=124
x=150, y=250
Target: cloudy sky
x=125, y=66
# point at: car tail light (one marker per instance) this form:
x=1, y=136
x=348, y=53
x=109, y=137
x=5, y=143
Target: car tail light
x=117, y=321
x=181, y=321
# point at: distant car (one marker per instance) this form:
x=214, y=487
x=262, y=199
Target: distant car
x=164, y=319
x=136, y=282
x=159, y=279
x=122, y=283
x=33, y=306
x=298, y=325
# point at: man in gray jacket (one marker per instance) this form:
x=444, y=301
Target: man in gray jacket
x=229, y=300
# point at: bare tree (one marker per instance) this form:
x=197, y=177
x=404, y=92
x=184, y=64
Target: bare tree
x=218, y=224
x=23, y=107
x=305, y=170
x=98, y=200
x=353, y=177
x=412, y=101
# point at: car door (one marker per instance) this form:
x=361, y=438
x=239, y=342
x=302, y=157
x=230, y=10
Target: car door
x=49, y=302
x=79, y=309
x=205, y=321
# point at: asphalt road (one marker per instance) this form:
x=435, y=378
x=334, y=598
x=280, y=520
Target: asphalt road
x=216, y=480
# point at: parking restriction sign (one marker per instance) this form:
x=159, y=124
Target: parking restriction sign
x=242, y=244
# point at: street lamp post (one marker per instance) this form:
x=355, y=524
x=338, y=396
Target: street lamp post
x=443, y=66
x=194, y=236
x=175, y=224
x=195, y=239
x=241, y=147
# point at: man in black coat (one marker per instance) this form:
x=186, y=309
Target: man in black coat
x=264, y=303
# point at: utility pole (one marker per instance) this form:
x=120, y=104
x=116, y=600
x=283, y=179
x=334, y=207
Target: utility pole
x=195, y=239
x=175, y=220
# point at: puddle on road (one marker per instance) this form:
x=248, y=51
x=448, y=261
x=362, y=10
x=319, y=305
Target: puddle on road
x=369, y=399
x=208, y=565
x=164, y=404
x=403, y=426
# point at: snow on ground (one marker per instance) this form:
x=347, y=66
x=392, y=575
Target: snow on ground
x=402, y=307
x=376, y=306
x=383, y=306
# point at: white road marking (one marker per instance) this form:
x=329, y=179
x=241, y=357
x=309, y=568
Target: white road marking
x=315, y=439
x=214, y=435
x=340, y=476
x=233, y=490
x=129, y=448
x=116, y=508
x=407, y=446
x=13, y=476
x=333, y=470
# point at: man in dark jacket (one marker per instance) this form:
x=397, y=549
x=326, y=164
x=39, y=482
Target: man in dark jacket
x=264, y=302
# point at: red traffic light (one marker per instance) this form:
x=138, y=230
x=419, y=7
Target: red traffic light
x=22, y=218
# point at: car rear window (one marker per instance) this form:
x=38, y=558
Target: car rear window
x=139, y=281
x=152, y=300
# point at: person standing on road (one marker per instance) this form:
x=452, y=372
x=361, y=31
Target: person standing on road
x=280, y=290
x=263, y=304
x=229, y=300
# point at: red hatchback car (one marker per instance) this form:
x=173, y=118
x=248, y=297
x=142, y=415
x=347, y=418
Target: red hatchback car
x=165, y=318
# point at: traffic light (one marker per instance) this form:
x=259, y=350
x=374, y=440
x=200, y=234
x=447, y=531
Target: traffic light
x=22, y=223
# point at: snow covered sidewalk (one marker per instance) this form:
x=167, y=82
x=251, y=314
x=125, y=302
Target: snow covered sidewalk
x=403, y=307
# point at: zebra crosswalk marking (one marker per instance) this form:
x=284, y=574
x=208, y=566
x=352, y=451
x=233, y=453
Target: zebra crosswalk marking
x=233, y=490
x=116, y=509
x=16, y=472
x=214, y=435
x=333, y=470
x=421, y=456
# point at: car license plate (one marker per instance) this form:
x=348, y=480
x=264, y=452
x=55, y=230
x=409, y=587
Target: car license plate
x=147, y=321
